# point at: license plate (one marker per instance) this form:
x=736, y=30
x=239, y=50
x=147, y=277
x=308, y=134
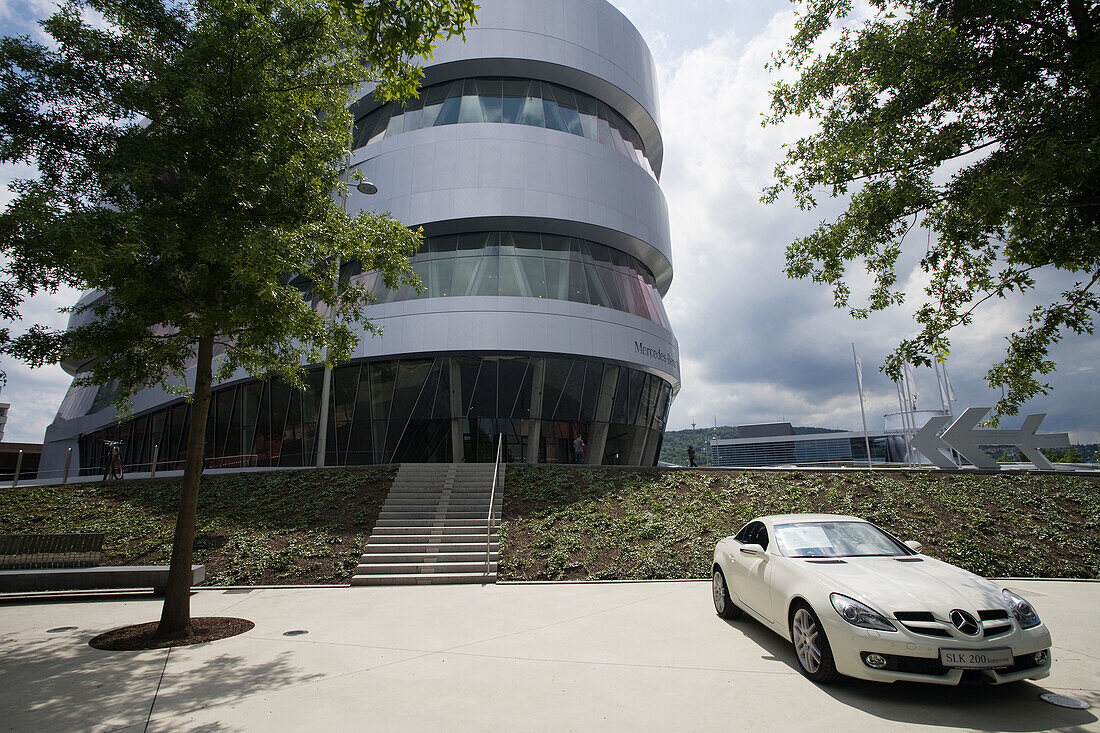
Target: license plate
x=970, y=659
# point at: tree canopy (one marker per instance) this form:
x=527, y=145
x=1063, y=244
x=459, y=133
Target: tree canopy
x=187, y=157
x=978, y=121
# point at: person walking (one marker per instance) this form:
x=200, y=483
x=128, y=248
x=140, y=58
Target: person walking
x=691, y=457
x=578, y=449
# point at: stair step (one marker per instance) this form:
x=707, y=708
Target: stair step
x=411, y=535
x=424, y=568
x=448, y=547
x=421, y=557
x=450, y=522
x=423, y=579
x=433, y=515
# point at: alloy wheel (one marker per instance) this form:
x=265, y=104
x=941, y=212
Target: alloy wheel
x=805, y=632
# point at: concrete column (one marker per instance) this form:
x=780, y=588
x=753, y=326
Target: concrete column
x=649, y=455
x=458, y=413
x=534, y=427
x=597, y=435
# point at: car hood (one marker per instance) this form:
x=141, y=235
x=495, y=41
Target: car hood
x=925, y=585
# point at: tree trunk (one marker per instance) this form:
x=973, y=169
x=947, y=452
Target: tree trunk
x=175, y=618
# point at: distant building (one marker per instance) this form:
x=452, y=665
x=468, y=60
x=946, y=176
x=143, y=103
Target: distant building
x=9, y=456
x=777, y=444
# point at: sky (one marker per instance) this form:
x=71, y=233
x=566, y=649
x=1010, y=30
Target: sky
x=754, y=346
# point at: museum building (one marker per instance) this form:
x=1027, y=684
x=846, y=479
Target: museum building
x=531, y=160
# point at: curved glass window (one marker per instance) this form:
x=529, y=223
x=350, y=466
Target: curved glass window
x=527, y=265
x=427, y=409
x=510, y=101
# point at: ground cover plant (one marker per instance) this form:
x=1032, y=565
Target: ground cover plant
x=279, y=527
x=564, y=523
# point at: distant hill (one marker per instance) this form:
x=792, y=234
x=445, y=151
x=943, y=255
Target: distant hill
x=674, y=449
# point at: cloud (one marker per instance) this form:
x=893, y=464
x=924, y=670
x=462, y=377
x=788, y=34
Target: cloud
x=756, y=347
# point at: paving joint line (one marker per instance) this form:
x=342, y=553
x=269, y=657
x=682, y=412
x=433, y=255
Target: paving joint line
x=149, y=717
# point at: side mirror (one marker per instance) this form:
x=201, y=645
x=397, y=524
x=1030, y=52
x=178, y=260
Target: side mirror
x=913, y=545
x=754, y=550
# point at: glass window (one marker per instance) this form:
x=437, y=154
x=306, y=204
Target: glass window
x=360, y=446
x=411, y=376
x=578, y=284
x=514, y=96
x=439, y=279
x=412, y=120
x=532, y=113
x=554, y=120
x=514, y=377
x=526, y=264
x=554, y=379
x=557, y=279
x=490, y=92
x=448, y=115
x=470, y=111
x=395, y=125
x=836, y=539
x=464, y=272
x=593, y=383
x=596, y=293
x=535, y=275
x=512, y=281
x=488, y=274
x=512, y=101
x=527, y=240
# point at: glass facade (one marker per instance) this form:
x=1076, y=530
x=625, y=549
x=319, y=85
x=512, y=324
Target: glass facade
x=509, y=101
x=803, y=452
x=442, y=409
x=524, y=264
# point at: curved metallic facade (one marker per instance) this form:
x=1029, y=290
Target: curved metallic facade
x=502, y=185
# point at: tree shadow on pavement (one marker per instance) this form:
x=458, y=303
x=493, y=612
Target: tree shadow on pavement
x=57, y=682
x=1011, y=707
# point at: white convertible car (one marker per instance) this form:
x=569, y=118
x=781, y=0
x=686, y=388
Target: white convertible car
x=856, y=601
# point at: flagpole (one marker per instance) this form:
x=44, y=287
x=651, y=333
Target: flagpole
x=862, y=413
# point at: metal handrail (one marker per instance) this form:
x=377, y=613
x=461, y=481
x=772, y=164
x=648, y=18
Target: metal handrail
x=492, y=500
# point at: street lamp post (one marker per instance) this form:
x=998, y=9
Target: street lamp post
x=367, y=188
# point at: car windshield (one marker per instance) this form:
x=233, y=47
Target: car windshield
x=836, y=539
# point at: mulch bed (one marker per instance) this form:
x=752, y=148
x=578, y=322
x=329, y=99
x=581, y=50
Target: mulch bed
x=143, y=636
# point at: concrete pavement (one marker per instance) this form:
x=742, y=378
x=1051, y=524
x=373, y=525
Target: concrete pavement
x=556, y=657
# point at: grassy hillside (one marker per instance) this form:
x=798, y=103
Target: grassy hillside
x=281, y=527
x=287, y=527
x=605, y=523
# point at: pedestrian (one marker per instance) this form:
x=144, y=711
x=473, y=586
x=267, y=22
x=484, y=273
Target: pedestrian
x=578, y=449
x=691, y=456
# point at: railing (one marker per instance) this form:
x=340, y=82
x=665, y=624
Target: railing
x=492, y=501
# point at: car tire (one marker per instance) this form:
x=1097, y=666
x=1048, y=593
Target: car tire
x=811, y=646
x=723, y=606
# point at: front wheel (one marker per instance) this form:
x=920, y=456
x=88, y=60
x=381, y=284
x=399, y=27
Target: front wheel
x=723, y=606
x=815, y=657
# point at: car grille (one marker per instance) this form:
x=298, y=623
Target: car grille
x=995, y=622
x=933, y=668
x=914, y=665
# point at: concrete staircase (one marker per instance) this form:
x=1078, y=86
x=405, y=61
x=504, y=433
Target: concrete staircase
x=433, y=527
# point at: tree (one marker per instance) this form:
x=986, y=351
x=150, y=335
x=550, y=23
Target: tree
x=187, y=154
x=975, y=120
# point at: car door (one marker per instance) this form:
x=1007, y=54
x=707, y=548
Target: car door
x=752, y=573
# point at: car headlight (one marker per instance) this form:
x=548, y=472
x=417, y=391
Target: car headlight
x=1022, y=610
x=858, y=614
